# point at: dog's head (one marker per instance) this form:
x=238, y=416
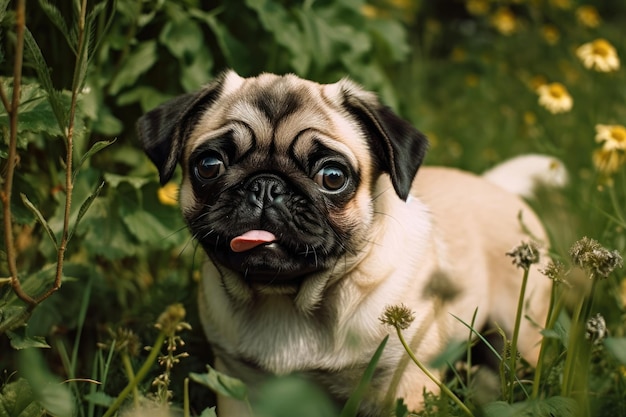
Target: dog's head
x=279, y=173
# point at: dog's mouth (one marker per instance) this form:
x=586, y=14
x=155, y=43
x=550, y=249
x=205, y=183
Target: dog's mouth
x=261, y=257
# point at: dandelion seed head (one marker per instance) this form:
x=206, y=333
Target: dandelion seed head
x=555, y=270
x=398, y=316
x=524, y=255
x=595, y=329
x=590, y=255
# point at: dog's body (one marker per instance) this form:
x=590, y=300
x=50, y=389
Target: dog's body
x=303, y=196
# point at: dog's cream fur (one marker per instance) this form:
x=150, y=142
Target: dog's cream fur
x=441, y=253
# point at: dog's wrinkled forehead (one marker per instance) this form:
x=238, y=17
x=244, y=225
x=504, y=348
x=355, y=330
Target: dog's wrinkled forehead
x=277, y=110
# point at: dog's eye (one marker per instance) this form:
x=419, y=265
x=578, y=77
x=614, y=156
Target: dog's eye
x=209, y=166
x=331, y=178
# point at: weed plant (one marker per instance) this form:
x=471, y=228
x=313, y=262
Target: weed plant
x=95, y=261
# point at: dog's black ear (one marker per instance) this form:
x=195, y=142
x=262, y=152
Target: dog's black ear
x=162, y=131
x=398, y=147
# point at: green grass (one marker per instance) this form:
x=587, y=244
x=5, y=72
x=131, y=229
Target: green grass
x=128, y=256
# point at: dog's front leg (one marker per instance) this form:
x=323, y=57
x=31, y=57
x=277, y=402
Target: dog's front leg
x=227, y=406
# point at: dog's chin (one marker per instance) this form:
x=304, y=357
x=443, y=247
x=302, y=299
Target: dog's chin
x=269, y=265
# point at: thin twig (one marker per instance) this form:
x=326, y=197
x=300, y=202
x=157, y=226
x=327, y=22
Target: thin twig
x=69, y=184
x=5, y=196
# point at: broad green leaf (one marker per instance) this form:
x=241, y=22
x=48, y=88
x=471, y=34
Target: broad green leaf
x=298, y=397
x=209, y=412
x=221, y=384
x=197, y=73
x=138, y=63
x=548, y=407
x=54, y=396
x=234, y=51
x=100, y=398
x=145, y=227
x=147, y=97
x=19, y=340
x=34, y=112
x=277, y=20
x=17, y=400
x=40, y=219
x=182, y=37
x=351, y=408
x=617, y=347
x=392, y=36
x=115, y=180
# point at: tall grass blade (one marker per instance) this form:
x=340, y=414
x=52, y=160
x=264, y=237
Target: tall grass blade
x=351, y=408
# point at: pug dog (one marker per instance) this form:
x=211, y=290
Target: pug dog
x=307, y=200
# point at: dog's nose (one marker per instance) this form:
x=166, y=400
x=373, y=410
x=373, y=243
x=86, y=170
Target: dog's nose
x=265, y=189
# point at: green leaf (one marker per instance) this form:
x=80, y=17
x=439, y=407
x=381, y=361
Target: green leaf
x=115, y=180
x=351, y=408
x=222, y=384
x=277, y=20
x=40, y=219
x=84, y=207
x=182, y=37
x=209, y=412
x=17, y=400
x=33, y=53
x=57, y=19
x=234, y=51
x=617, y=347
x=100, y=398
x=95, y=148
x=34, y=113
x=54, y=396
x=139, y=62
x=298, y=397
x=20, y=341
x=549, y=407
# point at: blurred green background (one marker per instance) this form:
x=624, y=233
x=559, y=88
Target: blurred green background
x=465, y=72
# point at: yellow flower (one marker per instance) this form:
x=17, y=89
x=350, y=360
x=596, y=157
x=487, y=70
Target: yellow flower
x=168, y=194
x=599, y=55
x=608, y=162
x=555, y=98
x=504, y=21
x=477, y=7
x=588, y=16
x=458, y=54
x=550, y=34
x=613, y=136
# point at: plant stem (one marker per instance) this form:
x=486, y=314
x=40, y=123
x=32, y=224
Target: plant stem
x=556, y=304
x=581, y=314
x=432, y=377
x=12, y=111
x=128, y=368
x=518, y=321
x=143, y=371
x=69, y=183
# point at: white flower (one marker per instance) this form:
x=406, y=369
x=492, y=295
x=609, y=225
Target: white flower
x=555, y=98
x=599, y=55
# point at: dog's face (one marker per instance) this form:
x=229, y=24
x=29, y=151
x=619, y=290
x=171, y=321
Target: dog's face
x=279, y=173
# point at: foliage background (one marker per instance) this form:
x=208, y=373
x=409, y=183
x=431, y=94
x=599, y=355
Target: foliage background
x=444, y=66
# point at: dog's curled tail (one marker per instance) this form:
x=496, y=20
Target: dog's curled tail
x=523, y=174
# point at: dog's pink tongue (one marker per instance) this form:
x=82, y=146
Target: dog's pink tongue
x=251, y=239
